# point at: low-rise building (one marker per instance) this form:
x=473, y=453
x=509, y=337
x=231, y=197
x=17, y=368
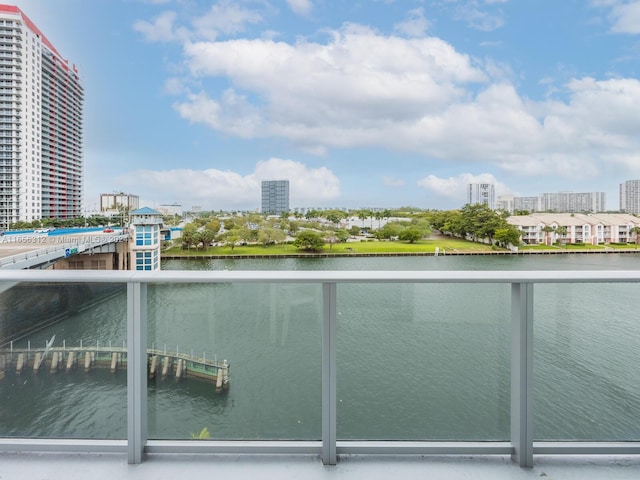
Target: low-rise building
x=549, y=228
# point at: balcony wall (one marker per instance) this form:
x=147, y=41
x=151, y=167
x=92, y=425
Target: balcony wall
x=336, y=363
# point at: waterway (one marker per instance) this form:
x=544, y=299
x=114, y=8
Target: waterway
x=424, y=362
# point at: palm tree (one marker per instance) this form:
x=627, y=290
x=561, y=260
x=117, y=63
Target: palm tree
x=562, y=231
x=362, y=215
x=378, y=215
x=636, y=232
x=547, y=229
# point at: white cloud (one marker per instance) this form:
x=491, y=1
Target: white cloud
x=360, y=88
x=301, y=7
x=215, y=189
x=343, y=93
x=226, y=18
x=626, y=17
x=364, y=89
x=393, y=182
x=479, y=18
x=455, y=188
x=482, y=15
x=175, y=86
x=160, y=29
x=416, y=24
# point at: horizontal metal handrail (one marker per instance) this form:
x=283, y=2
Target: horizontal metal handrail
x=297, y=276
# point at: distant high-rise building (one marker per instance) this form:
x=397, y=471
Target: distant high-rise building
x=482, y=193
x=530, y=204
x=630, y=196
x=112, y=202
x=41, y=105
x=505, y=202
x=275, y=196
x=569, y=202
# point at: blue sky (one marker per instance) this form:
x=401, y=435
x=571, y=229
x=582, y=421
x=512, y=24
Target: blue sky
x=375, y=103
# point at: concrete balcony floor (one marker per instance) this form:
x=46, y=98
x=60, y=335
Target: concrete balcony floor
x=283, y=467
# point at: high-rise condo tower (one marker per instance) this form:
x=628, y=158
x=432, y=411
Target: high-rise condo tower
x=41, y=103
x=275, y=196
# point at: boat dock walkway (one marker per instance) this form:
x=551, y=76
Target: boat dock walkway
x=160, y=362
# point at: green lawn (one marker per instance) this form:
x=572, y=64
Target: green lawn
x=374, y=247
x=424, y=246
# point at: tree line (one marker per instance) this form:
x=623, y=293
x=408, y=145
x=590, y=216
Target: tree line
x=319, y=228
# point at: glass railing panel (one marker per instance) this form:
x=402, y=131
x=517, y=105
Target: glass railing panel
x=423, y=362
x=270, y=335
x=586, y=375
x=54, y=327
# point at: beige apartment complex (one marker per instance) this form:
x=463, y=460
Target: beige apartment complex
x=586, y=228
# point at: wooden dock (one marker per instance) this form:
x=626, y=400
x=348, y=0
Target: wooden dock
x=160, y=363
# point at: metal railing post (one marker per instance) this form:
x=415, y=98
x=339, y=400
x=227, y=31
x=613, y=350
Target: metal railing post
x=329, y=315
x=522, y=373
x=136, y=371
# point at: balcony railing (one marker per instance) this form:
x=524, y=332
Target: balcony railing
x=516, y=287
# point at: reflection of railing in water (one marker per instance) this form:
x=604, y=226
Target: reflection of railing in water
x=159, y=362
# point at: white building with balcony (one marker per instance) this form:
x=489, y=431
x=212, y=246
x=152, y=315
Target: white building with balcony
x=580, y=228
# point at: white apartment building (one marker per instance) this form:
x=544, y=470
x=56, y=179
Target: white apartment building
x=531, y=204
x=505, y=202
x=570, y=202
x=482, y=193
x=630, y=196
x=41, y=105
x=592, y=229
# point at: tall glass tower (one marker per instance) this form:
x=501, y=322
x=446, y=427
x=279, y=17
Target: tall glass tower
x=275, y=196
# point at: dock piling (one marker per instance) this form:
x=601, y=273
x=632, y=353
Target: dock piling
x=36, y=362
x=179, y=368
x=180, y=365
x=114, y=362
x=55, y=358
x=153, y=367
x=87, y=361
x=71, y=359
x=165, y=367
x=20, y=364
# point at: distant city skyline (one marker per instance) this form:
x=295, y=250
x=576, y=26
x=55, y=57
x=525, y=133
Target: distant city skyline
x=357, y=103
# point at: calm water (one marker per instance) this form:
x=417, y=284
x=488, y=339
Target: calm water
x=414, y=361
